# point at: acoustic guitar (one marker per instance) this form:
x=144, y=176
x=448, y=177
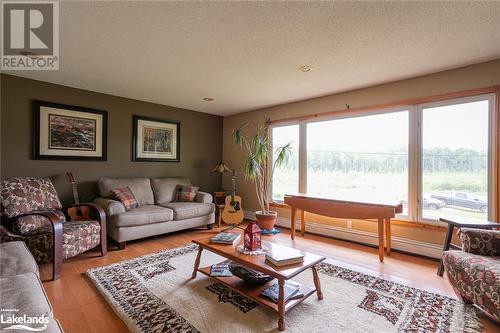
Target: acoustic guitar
x=233, y=213
x=79, y=213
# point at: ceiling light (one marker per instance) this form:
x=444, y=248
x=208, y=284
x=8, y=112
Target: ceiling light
x=305, y=68
x=208, y=99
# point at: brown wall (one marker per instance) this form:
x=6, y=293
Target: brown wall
x=470, y=77
x=201, y=138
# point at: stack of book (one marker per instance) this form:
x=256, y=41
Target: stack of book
x=282, y=256
x=230, y=238
x=292, y=291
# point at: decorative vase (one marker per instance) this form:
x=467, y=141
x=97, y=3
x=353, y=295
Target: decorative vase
x=266, y=221
x=252, y=236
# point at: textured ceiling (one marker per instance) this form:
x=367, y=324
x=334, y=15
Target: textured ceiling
x=245, y=55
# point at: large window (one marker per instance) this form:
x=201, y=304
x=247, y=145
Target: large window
x=286, y=177
x=361, y=159
x=455, y=160
x=438, y=159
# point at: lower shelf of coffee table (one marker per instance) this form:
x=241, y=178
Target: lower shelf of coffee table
x=254, y=291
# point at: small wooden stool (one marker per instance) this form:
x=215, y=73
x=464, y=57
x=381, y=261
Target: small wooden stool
x=463, y=223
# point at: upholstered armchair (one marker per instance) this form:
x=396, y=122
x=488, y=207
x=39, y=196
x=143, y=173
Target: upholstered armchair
x=33, y=213
x=474, y=272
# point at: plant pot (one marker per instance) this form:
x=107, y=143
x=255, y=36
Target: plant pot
x=266, y=220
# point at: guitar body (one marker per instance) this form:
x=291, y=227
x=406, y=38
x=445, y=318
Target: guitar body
x=79, y=213
x=233, y=213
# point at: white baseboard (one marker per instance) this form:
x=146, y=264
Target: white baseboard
x=363, y=237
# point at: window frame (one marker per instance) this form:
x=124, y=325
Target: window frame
x=415, y=144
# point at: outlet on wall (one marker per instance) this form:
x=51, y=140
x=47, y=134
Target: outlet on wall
x=349, y=224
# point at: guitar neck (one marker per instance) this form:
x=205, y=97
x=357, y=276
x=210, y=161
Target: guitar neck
x=233, y=192
x=76, y=199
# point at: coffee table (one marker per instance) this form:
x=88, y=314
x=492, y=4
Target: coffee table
x=258, y=263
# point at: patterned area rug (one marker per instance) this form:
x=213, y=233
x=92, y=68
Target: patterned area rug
x=154, y=293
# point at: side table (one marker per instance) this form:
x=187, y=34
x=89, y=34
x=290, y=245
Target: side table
x=461, y=223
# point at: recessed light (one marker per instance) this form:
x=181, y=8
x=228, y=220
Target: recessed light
x=208, y=99
x=305, y=68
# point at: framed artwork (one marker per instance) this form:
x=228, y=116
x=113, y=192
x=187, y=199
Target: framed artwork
x=69, y=132
x=155, y=140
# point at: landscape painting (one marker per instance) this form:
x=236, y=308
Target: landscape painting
x=155, y=140
x=72, y=133
x=68, y=132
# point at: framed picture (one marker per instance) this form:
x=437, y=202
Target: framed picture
x=155, y=140
x=69, y=132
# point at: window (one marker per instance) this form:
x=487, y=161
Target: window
x=455, y=141
x=359, y=158
x=437, y=158
x=286, y=177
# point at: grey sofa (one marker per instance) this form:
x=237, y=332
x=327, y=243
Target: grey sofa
x=21, y=291
x=158, y=213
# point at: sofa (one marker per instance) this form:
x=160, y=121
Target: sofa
x=158, y=212
x=21, y=291
x=474, y=272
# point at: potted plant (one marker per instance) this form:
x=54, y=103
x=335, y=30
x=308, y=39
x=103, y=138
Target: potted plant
x=259, y=168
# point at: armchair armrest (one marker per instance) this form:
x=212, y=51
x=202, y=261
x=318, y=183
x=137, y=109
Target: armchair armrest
x=480, y=241
x=203, y=197
x=97, y=213
x=111, y=207
x=57, y=229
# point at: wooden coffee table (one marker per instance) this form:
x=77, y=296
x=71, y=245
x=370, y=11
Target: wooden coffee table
x=258, y=263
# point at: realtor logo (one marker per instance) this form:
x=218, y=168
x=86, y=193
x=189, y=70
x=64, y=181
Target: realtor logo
x=30, y=37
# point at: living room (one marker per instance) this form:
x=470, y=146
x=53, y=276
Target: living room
x=347, y=152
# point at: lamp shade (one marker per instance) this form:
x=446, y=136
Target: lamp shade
x=221, y=168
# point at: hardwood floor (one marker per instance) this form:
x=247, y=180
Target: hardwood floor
x=80, y=308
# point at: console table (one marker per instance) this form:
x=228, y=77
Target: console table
x=382, y=212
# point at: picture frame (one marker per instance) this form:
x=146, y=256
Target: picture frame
x=155, y=140
x=67, y=132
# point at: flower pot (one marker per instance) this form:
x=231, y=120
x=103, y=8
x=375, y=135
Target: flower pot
x=266, y=220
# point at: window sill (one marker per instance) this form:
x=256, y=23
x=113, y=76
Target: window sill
x=403, y=223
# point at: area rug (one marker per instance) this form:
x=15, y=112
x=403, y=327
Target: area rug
x=155, y=293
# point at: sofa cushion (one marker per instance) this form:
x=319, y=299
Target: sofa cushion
x=141, y=216
x=476, y=277
x=141, y=187
x=21, y=195
x=187, y=210
x=25, y=294
x=126, y=197
x=16, y=259
x=186, y=193
x=165, y=189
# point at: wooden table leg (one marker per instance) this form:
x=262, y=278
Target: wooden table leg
x=388, y=236
x=317, y=283
x=197, y=262
x=302, y=222
x=292, y=226
x=381, y=240
x=281, y=305
x=446, y=247
x=219, y=217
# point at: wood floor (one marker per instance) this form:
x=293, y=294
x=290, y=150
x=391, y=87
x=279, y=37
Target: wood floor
x=80, y=308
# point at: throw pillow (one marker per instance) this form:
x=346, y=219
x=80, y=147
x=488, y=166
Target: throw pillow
x=126, y=197
x=186, y=193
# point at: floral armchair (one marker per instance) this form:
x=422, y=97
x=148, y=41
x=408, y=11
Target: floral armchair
x=474, y=272
x=33, y=213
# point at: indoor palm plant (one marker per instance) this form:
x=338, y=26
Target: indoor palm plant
x=259, y=168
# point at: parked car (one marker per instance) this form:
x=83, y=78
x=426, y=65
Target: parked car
x=433, y=204
x=462, y=199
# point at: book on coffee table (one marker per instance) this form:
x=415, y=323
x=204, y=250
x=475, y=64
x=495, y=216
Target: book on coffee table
x=292, y=291
x=282, y=255
x=230, y=238
x=221, y=269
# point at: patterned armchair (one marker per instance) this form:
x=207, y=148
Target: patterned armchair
x=33, y=213
x=474, y=272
